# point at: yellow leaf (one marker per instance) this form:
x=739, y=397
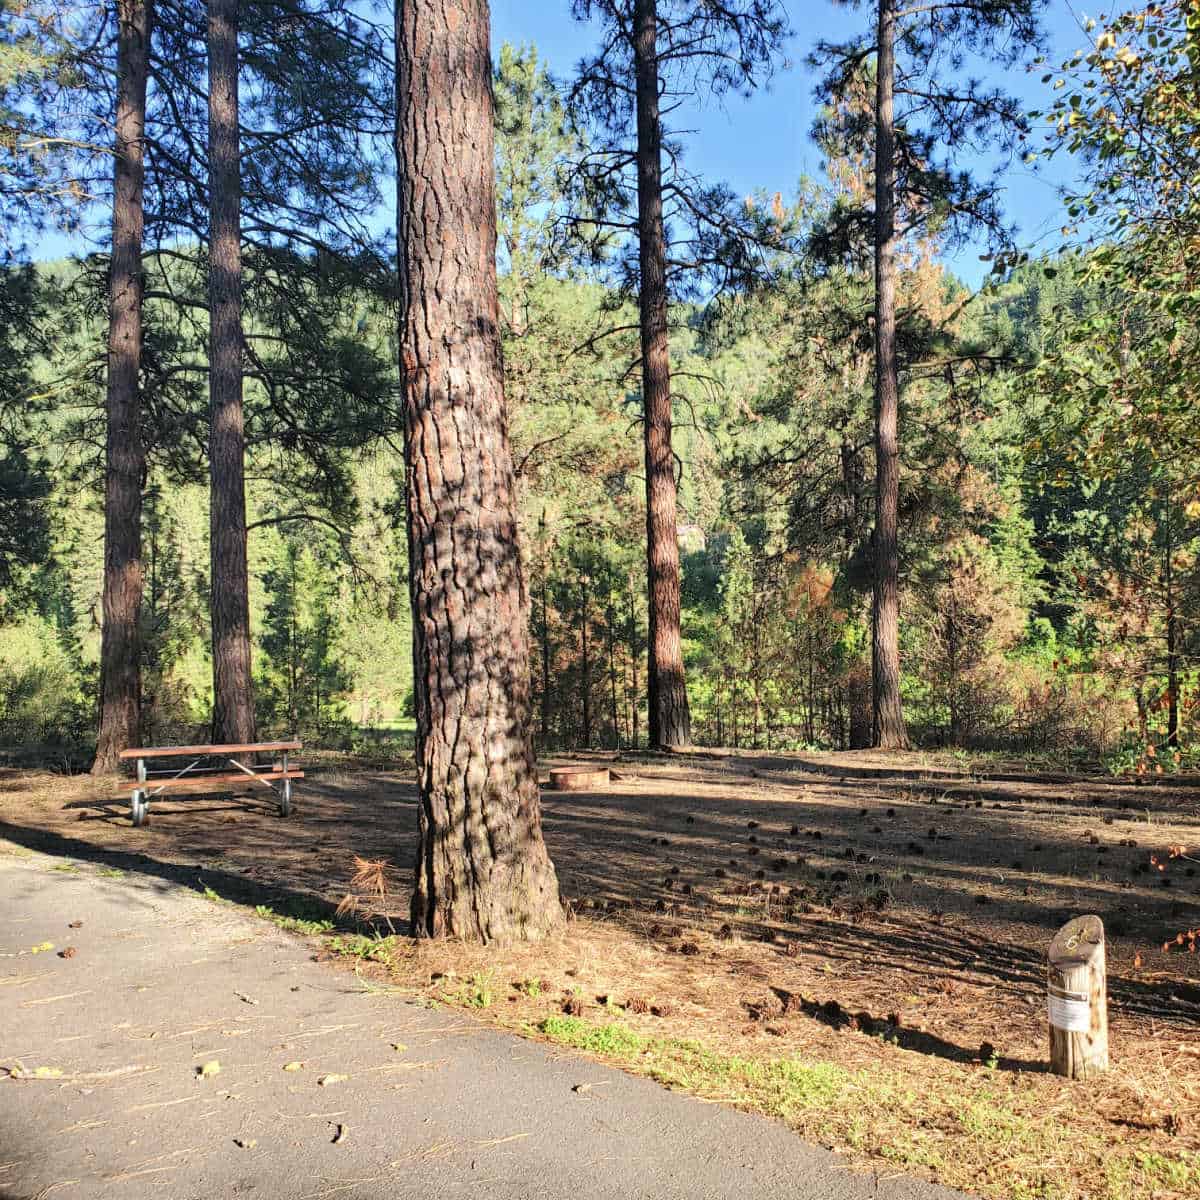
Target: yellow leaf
x=209, y=1069
x=293, y=1066
x=41, y=948
x=19, y=1072
x=399, y=1047
x=326, y=1080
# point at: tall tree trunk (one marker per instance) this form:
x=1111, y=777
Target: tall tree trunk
x=586, y=664
x=952, y=673
x=125, y=461
x=1172, y=653
x=483, y=872
x=858, y=683
x=545, y=666
x=810, y=731
x=889, y=731
x=669, y=718
x=233, y=695
x=612, y=675
x=635, y=733
x=545, y=567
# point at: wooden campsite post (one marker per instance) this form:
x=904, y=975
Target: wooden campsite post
x=1077, y=1000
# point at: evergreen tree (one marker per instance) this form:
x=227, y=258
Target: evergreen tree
x=923, y=117
x=233, y=697
x=302, y=671
x=24, y=482
x=120, y=655
x=652, y=53
x=483, y=872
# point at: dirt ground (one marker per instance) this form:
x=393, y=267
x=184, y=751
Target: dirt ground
x=888, y=914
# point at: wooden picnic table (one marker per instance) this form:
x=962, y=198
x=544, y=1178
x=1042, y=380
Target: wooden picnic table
x=203, y=771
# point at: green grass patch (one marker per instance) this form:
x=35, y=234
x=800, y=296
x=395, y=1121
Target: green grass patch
x=972, y=1138
x=1144, y=1173
x=477, y=991
x=365, y=947
x=297, y=920
x=783, y=1087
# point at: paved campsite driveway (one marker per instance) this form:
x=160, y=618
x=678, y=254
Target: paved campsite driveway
x=106, y=1099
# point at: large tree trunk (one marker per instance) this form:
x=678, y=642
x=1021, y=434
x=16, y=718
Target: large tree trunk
x=233, y=695
x=125, y=462
x=889, y=731
x=669, y=719
x=482, y=868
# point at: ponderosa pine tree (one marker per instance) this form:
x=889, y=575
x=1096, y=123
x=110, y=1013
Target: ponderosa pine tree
x=654, y=51
x=312, y=121
x=120, y=645
x=926, y=114
x=229, y=583
x=483, y=872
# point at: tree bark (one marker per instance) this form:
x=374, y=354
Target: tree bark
x=545, y=667
x=125, y=460
x=483, y=872
x=635, y=734
x=545, y=570
x=888, y=719
x=669, y=719
x=1172, y=652
x=858, y=685
x=586, y=667
x=612, y=675
x=233, y=690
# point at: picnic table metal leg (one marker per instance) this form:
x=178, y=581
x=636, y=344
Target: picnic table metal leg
x=285, y=798
x=138, y=804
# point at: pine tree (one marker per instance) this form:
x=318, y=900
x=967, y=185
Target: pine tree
x=654, y=51
x=120, y=653
x=925, y=115
x=483, y=872
x=229, y=583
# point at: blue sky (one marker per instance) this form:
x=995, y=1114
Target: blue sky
x=763, y=143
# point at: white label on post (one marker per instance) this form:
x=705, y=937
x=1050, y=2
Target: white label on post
x=1069, y=1011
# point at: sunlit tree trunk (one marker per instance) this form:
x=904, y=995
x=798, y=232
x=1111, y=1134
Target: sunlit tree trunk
x=669, y=718
x=233, y=692
x=483, y=872
x=635, y=733
x=545, y=667
x=586, y=667
x=1172, y=651
x=888, y=718
x=125, y=462
x=612, y=675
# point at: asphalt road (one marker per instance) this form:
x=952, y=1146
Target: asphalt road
x=103, y=1094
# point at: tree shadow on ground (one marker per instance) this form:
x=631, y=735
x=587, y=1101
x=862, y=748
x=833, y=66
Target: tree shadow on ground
x=892, y=1029
x=203, y=879
x=859, y=885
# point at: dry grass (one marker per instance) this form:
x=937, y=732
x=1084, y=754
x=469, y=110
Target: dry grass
x=859, y=989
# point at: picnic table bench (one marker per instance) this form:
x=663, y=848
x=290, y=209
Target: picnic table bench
x=209, y=766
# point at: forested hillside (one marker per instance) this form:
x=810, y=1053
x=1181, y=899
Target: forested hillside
x=1047, y=547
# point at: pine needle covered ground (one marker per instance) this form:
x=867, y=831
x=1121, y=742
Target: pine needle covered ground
x=853, y=944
